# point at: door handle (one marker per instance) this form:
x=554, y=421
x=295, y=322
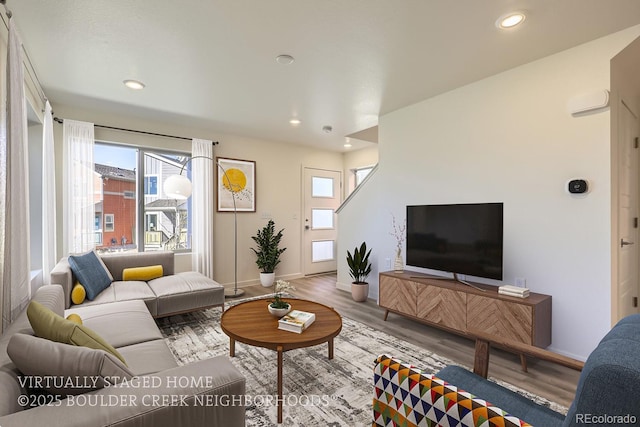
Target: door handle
x=624, y=243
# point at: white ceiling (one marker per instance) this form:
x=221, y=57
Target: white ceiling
x=211, y=63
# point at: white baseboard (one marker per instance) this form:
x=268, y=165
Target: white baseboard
x=343, y=286
x=252, y=282
x=565, y=353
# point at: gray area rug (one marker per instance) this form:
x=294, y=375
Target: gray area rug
x=317, y=391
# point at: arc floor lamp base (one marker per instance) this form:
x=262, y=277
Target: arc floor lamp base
x=233, y=293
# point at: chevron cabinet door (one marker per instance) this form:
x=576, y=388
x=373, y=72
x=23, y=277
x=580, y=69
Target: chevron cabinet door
x=444, y=307
x=511, y=321
x=398, y=295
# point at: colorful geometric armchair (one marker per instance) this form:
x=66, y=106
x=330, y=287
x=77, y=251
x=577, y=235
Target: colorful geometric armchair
x=406, y=396
x=608, y=391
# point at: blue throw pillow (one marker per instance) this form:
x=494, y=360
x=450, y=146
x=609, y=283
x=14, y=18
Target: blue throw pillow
x=90, y=272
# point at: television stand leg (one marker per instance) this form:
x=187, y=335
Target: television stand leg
x=386, y=313
x=523, y=362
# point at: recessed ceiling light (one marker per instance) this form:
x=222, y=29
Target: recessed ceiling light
x=133, y=84
x=284, y=59
x=295, y=122
x=510, y=20
x=347, y=145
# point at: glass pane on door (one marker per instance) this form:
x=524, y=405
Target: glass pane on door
x=322, y=250
x=322, y=219
x=321, y=187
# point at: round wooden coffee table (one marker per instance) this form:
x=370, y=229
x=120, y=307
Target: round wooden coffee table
x=251, y=323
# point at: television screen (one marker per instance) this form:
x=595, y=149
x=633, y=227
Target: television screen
x=460, y=238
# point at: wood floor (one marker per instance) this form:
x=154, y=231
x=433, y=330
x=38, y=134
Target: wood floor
x=545, y=379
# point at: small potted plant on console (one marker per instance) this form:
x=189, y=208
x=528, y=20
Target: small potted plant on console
x=359, y=269
x=267, y=252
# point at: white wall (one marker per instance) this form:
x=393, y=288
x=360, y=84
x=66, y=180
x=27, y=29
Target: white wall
x=509, y=138
x=278, y=185
x=358, y=221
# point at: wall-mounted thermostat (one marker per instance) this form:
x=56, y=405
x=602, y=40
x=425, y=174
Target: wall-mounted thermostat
x=578, y=186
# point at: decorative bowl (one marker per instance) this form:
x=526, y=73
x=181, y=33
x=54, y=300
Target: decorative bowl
x=279, y=312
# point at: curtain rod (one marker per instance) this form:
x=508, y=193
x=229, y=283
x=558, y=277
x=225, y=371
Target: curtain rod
x=59, y=120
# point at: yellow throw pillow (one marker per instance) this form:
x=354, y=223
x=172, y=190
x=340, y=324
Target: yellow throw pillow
x=142, y=273
x=47, y=324
x=75, y=318
x=78, y=293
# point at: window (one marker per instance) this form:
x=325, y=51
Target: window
x=361, y=174
x=150, y=221
x=140, y=217
x=97, y=226
x=170, y=217
x=151, y=185
x=108, y=222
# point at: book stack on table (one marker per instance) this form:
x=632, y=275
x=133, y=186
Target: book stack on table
x=513, y=291
x=296, y=321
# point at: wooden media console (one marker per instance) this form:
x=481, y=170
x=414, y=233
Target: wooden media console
x=462, y=309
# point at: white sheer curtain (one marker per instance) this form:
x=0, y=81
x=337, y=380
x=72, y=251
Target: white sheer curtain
x=202, y=207
x=5, y=293
x=80, y=193
x=48, y=197
x=14, y=189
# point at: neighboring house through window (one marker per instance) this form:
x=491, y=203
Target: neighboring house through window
x=131, y=177
x=108, y=222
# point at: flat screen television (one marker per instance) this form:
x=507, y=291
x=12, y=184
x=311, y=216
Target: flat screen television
x=459, y=238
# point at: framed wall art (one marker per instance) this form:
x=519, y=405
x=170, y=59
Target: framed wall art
x=235, y=181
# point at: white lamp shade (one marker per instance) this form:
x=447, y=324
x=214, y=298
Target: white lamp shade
x=177, y=187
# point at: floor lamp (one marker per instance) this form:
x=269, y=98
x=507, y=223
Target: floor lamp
x=179, y=187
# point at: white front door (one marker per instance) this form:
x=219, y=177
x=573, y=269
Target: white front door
x=321, y=199
x=628, y=250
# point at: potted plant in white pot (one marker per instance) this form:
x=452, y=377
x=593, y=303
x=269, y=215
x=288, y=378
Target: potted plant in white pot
x=279, y=307
x=359, y=269
x=268, y=252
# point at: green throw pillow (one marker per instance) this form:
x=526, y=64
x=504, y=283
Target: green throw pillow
x=49, y=325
